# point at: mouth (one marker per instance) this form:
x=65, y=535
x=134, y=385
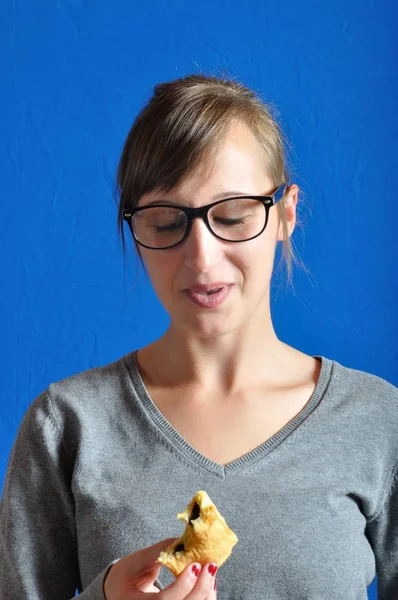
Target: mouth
x=210, y=296
x=208, y=289
x=209, y=293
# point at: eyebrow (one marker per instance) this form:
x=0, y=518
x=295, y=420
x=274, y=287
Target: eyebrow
x=220, y=196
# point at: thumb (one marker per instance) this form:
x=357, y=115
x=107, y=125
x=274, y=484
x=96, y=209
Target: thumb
x=135, y=571
x=145, y=582
x=145, y=560
x=147, y=567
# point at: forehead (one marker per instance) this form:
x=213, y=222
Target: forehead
x=237, y=164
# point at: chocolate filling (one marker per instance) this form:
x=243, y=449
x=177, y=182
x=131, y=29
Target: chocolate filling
x=195, y=512
x=179, y=548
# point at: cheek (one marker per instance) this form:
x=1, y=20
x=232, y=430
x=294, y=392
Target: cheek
x=161, y=271
x=256, y=257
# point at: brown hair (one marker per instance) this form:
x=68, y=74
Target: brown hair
x=180, y=128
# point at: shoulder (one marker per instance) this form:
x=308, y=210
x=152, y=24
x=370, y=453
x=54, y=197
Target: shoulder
x=368, y=401
x=81, y=407
x=94, y=383
x=90, y=393
x=368, y=385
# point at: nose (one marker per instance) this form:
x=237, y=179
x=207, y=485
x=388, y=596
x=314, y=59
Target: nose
x=202, y=250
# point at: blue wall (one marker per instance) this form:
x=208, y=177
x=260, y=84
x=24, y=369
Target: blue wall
x=74, y=75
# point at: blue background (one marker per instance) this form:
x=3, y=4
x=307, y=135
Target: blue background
x=74, y=74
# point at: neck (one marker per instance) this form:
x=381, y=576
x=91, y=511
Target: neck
x=224, y=364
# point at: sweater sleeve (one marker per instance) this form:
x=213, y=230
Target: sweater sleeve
x=382, y=532
x=38, y=546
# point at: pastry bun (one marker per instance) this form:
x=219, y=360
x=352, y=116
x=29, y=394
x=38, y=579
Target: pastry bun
x=207, y=537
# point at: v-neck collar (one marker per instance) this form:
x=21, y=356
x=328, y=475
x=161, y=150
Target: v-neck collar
x=179, y=443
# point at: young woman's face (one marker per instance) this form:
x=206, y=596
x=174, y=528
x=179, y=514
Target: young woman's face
x=204, y=259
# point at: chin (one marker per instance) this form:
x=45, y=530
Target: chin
x=207, y=326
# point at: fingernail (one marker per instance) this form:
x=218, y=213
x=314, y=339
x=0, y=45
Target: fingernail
x=212, y=569
x=195, y=570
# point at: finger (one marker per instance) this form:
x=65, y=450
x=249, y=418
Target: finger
x=213, y=595
x=204, y=588
x=183, y=585
x=196, y=582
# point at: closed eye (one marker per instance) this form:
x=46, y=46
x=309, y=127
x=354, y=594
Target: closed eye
x=171, y=227
x=221, y=221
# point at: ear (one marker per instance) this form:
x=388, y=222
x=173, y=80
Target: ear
x=290, y=202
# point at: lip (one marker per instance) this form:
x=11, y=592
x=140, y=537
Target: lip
x=209, y=301
x=208, y=286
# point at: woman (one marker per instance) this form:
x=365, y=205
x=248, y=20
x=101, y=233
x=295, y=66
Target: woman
x=298, y=452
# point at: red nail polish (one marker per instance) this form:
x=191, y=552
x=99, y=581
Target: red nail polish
x=195, y=570
x=212, y=569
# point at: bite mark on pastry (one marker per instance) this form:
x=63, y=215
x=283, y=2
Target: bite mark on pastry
x=207, y=537
x=195, y=513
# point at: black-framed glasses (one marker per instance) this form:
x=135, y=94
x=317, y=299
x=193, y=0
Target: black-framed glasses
x=237, y=219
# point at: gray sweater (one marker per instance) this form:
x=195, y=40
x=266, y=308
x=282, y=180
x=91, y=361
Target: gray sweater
x=97, y=472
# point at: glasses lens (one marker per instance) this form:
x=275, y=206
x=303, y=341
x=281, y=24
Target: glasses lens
x=159, y=227
x=239, y=219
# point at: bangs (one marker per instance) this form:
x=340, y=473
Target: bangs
x=160, y=155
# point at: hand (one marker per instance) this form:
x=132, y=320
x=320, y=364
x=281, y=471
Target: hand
x=133, y=577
